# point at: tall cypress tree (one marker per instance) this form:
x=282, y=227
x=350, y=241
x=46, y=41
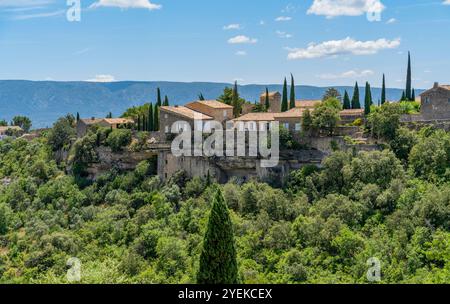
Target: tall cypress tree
x=139, y=123
x=166, y=101
x=200, y=97
x=144, y=123
x=367, y=99
x=150, y=126
x=403, y=98
x=156, y=118
x=383, y=91
x=292, y=96
x=235, y=101
x=355, y=100
x=413, y=96
x=284, y=101
x=347, y=104
x=158, y=97
x=78, y=117
x=218, y=264
x=408, y=92
x=267, y=102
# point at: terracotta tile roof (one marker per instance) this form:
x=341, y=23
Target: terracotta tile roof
x=114, y=121
x=91, y=121
x=186, y=112
x=352, y=112
x=212, y=104
x=257, y=117
x=292, y=113
x=445, y=86
x=307, y=103
x=271, y=94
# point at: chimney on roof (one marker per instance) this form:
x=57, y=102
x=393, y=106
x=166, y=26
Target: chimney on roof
x=436, y=85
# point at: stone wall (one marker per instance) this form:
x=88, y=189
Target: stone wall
x=435, y=104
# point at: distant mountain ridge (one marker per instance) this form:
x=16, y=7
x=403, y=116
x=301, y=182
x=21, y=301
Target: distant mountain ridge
x=46, y=101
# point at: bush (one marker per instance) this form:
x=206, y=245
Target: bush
x=118, y=139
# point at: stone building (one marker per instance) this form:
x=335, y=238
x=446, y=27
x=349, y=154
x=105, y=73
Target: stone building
x=350, y=115
x=83, y=125
x=218, y=110
x=177, y=116
x=435, y=103
x=5, y=131
x=274, y=101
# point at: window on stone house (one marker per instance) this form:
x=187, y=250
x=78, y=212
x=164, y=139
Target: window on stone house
x=427, y=99
x=224, y=113
x=286, y=125
x=298, y=127
x=166, y=129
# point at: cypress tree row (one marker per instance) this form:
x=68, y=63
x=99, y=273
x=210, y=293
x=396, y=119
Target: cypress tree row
x=408, y=92
x=292, y=96
x=150, y=117
x=347, y=104
x=383, y=91
x=218, y=264
x=267, y=102
x=166, y=101
x=355, y=100
x=367, y=99
x=284, y=102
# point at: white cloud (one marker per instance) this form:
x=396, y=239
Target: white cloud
x=334, y=8
x=241, y=39
x=241, y=53
x=283, y=35
x=343, y=47
x=102, y=78
x=234, y=26
x=40, y=15
x=262, y=22
x=126, y=4
x=390, y=21
x=353, y=74
x=283, y=18
x=446, y=2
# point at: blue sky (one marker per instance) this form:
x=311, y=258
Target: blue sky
x=322, y=42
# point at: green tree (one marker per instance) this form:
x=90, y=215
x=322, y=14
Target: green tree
x=236, y=101
x=227, y=96
x=118, y=139
x=408, y=92
x=284, y=102
x=23, y=122
x=292, y=95
x=109, y=115
x=307, y=121
x=367, y=99
x=78, y=117
x=61, y=134
x=156, y=118
x=326, y=116
x=413, y=96
x=267, y=101
x=403, y=98
x=166, y=101
x=158, y=97
x=218, y=264
x=200, y=97
x=383, y=91
x=385, y=121
x=347, y=104
x=150, y=126
x=331, y=93
x=355, y=100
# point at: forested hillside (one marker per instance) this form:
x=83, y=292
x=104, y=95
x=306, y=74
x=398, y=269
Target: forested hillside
x=129, y=227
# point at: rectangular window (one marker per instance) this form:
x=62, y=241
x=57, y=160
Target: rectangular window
x=298, y=127
x=427, y=99
x=166, y=129
x=166, y=116
x=286, y=125
x=225, y=113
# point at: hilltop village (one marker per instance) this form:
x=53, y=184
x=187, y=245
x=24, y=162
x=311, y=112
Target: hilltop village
x=309, y=130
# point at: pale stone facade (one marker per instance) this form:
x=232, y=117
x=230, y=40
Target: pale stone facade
x=435, y=103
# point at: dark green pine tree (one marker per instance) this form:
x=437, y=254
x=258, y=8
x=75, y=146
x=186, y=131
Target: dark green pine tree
x=408, y=92
x=150, y=126
x=267, y=101
x=292, y=96
x=235, y=101
x=218, y=264
x=347, y=104
x=158, y=97
x=78, y=117
x=200, y=97
x=367, y=99
x=139, y=123
x=284, y=101
x=355, y=100
x=166, y=101
x=383, y=91
x=156, y=118
x=403, y=98
x=413, y=96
